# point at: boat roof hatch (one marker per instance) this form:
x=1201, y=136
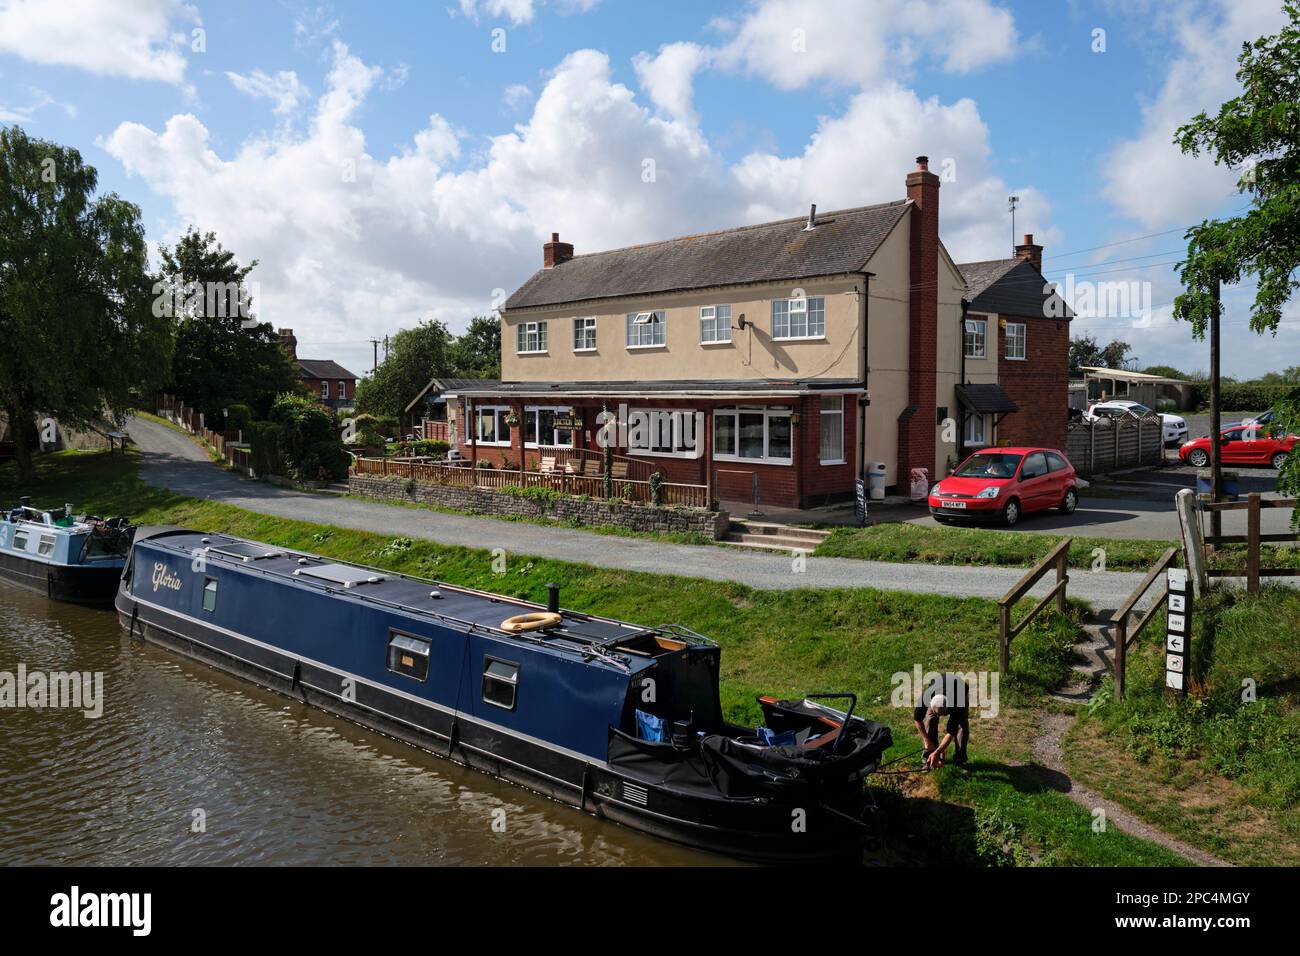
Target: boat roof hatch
x=339, y=574
x=244, y=550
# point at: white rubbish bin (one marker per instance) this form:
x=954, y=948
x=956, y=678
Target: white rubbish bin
x=876, y=480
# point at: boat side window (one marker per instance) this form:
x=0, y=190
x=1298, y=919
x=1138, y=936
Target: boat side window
x=20, y=540
x=46, y=547
x=408, y=654
x=209, y=594
x=500, y=682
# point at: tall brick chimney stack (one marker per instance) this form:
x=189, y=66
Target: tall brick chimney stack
x=290, y=342
x=1030, y=252
x=555, y=252
x=917, y=430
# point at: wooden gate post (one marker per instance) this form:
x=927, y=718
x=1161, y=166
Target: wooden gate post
x=1004, y=639
x=1252, y=543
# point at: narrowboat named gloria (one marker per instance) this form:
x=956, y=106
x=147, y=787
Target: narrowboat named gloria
x=77, y=559
x=619, y=720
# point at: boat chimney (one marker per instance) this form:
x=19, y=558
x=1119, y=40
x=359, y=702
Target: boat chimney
x=553, y=598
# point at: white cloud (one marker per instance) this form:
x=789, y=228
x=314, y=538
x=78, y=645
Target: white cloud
x=39, y=99
x=517, y=95
x=668, y=78
x=138, y=39
x=1146, y=177
x=520, y=11
x=284, y=89
x=793, y=43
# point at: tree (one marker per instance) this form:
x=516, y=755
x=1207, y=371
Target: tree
x=223, y=355
x=80, y=337
x=477, y=353
x=415, y=356
x=1085, y=350
x=1258, y=132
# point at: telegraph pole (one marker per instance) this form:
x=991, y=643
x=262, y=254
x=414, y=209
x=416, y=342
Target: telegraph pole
x=374, y=367
x=1216, y=517
x=1011, y=204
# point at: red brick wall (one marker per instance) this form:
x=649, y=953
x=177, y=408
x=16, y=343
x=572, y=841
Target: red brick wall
x=806, y=482
x=1038, y=384
x=916, y=435
x=348, y=391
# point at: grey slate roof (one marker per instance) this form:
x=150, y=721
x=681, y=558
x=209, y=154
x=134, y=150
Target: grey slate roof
x=842, y=242
x=1009, y=287
x=986, y=398
x=632, y=389
x=322, y=368
x=441, y=386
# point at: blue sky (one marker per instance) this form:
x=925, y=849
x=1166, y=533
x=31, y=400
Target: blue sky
x=391, y=161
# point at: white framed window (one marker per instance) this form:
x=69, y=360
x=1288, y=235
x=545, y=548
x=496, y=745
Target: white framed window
x=492, y=427
x=664, y=432
x=757, y=433
x=1016, y=337
x=799, y=318
x=540, y=420
x=973, y=337
x=832, y=430
x=645, y=330
x=343, y=391
x=715, y=324
x=324, y=389
x=584, y=334
x=46, y=546
x=531, y=338
x=973, y=433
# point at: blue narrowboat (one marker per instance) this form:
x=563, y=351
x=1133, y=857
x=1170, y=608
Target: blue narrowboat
x=619, y=720
x=67, y=558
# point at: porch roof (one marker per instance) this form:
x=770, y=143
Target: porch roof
x=986, y=399
x=679, y=388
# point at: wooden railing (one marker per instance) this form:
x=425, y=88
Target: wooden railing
x=1056, y=558
x=1120, y=619
x=1252, y=539
x=463, y=476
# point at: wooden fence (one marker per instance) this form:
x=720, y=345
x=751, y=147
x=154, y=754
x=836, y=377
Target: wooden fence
x=229, y=445
x=462, y=476
x=1056, y=558
x=1120, y=620
x=1252, y=539
x=1109, y=444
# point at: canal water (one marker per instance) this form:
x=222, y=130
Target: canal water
x=264, y=779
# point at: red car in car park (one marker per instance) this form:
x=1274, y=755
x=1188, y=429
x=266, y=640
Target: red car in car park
x=1240, y=445
x=1005, y=483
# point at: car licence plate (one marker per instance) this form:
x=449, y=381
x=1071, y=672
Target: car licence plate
x=959, y=505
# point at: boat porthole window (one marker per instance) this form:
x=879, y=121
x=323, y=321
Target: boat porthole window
x=210, y=594
x=20, y=540
x=408, y=654
x=46, y=547
x=500, y=682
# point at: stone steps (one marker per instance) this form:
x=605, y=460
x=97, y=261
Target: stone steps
x=769, y=536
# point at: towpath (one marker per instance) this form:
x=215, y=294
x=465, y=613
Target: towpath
x=172, y=460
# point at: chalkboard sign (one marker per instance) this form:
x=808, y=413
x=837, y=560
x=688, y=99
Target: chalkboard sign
x=860, y=501
x=1178, y=637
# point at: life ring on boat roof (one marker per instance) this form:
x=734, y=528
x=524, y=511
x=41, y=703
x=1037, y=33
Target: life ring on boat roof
x=532, y=621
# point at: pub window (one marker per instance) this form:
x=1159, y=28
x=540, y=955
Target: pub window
x=531, y=338
x=584, y=334
x=645, y=329
x=758, y=434
x=715, y=324
x=500, y=682
x=973, y=340
x=46, y=547
x=408, y=655
x=832, y=430
x=803, y=318
x=210, y=594
x=1016, y=340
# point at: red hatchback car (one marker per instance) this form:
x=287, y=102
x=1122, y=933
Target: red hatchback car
x=1240, y=445
x=1004, y=483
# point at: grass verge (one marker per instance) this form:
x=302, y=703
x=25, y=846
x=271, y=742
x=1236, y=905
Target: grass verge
x=998, y=812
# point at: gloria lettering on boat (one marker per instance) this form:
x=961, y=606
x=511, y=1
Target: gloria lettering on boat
x=165, y=577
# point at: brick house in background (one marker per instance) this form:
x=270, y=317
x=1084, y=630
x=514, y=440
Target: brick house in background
x=1033, y=342
x=326, y=379
x=799, y=350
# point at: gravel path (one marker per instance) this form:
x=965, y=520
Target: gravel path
x=1046, y=749
x=172, y=460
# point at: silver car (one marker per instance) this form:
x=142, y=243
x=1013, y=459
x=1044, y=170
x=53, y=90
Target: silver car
x=1173, y=428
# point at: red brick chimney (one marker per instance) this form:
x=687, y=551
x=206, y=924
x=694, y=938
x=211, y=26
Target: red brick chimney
x=290, y=342
x=1030, y=252
x=555, y=252
x=917, y=431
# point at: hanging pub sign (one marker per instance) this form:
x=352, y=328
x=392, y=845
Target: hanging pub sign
x=1178, y=636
